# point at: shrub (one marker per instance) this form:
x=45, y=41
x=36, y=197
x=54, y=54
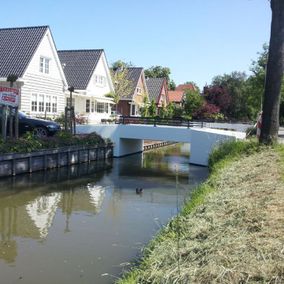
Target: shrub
x=29, y=143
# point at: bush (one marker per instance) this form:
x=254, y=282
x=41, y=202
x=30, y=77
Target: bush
x=29, y=143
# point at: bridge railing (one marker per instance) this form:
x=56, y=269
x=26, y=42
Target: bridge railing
x=159, y=121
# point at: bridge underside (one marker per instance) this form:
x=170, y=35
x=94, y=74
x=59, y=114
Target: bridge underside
x=128, y=139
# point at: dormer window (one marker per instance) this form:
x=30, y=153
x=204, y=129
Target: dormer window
x=44, y=65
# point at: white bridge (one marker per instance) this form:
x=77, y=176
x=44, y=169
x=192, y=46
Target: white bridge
x=128, y=138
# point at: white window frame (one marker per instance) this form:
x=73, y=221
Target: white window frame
x=34, y=102
x=54, y=104
x=100, y=80
x=100, y=107
x=44, y=65
x=41, y=103
x=48, y=103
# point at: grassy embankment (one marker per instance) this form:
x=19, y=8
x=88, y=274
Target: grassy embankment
x=232, y=229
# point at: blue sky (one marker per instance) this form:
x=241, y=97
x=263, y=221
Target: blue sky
x=196, y=39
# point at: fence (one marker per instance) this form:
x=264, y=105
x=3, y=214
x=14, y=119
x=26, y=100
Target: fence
x=159, y=121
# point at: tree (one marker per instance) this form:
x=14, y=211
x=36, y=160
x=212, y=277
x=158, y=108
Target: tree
x=274, y=74
x=235, y=86
x=172, y=85
x=144, y=110
x=152, y=110
x=255, y=83
x=218, y=96
x=192, y=102
x=122, y=85
x=160, y=72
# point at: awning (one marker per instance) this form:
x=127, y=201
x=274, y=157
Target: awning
x=102, y=100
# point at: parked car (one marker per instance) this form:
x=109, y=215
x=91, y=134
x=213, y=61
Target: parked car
x=40, y=127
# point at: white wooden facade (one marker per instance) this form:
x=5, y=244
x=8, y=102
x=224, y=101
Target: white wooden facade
x=43, y=92
x=92, y=102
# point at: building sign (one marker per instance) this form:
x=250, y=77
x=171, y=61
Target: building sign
x=9, y=96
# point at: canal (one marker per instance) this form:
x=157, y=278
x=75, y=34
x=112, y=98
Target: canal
x=86, y=223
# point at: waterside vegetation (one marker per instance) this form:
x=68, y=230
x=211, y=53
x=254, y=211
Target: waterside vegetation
x=231, y=229
x=30, y=143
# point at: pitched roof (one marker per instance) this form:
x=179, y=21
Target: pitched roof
x=175, y=96
x=184, y=87
x=154, y=86
x=133, y=75
x=79, y=66
x=17, y=47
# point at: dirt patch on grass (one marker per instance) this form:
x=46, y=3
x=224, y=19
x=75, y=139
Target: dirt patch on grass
x=236, y=236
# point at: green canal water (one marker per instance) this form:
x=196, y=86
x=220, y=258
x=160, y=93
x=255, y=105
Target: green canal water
x=86, y=223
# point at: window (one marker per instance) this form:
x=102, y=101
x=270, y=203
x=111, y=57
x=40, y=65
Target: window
x=87, y=105
x=48, y=104
x=54, y=104
x=44, y=65
x=34, y=102
x=133, y=110
x=41, y=103
x=100, y=80
x=100, y=107
x=92, y=106
x=138, y=90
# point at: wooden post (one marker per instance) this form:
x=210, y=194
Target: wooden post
x=16, y=122
x=11, y=124
x=4, y=122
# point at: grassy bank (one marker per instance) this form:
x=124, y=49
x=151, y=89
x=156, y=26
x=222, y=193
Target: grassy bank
x=232, y=230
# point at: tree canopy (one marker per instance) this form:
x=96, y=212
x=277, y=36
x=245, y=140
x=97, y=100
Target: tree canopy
x=160, y=72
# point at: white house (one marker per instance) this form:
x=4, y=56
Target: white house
x=30, y=53
x=88, y=72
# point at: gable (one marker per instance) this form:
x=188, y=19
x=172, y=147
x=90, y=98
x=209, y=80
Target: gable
x=47, y=50
x=79, y=66
x=100, y=82
x=17, y=47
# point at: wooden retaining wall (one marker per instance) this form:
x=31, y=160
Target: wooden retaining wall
x=14, y=164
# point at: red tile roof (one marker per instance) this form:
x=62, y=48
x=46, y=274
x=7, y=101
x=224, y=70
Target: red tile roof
x=184, y=87
x=176, y=96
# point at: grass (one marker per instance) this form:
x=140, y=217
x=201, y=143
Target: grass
x=231, y=231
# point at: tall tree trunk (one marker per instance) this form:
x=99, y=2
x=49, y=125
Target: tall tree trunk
x=275, y=68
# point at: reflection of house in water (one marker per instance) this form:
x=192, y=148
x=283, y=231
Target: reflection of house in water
x=83, y=199
x=42, y=211
x=97, y=194
x=21, y=217
x=29, y=213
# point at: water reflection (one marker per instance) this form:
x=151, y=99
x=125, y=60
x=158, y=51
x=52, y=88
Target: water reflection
x=42, y=211
x=89, y=218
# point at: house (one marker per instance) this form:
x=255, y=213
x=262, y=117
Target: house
x=158, y=91
x=185, y=87
x=131, y=103
x=88, y=72
x=30, y=53
x=176, y=97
